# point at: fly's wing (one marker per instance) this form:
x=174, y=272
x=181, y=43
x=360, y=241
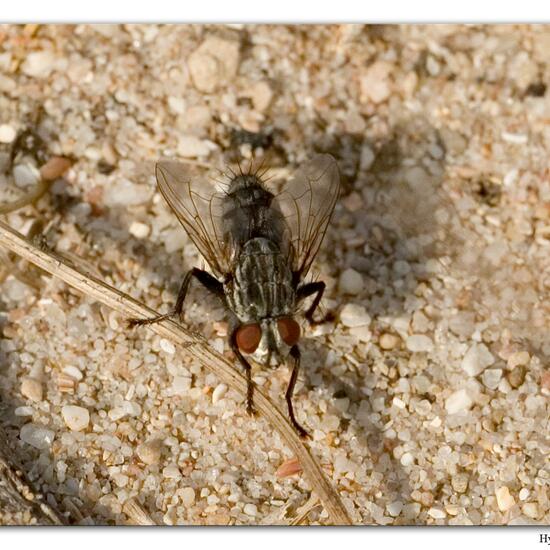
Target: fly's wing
x=198, y=207
x=306, y=203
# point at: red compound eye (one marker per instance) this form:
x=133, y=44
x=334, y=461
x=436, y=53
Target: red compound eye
x=289, y=330
x=248, y=337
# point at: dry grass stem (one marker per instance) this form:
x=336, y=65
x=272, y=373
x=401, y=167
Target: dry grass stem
x=210, y=359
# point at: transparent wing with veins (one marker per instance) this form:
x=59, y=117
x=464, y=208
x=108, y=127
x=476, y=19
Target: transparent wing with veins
x=306, y=203
x=198, y=206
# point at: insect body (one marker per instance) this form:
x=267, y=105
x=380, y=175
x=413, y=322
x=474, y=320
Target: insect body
x=259, y=247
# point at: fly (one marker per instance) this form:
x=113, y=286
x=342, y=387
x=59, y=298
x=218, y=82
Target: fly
x=259, y=246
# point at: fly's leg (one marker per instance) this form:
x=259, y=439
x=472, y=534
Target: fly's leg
x=248, y=371
x=317, y=288
x=211, y=284
x=295, y=354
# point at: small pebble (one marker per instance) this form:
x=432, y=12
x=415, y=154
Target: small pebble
x=171, y=472
x=76, y=418
x=354, y=315
x=519, y=358
x=477, y=359
x=181, y=384
x=459, y=482
x=73, y=372
x=7, y=133
x=250, y=510
x=375, y=84
x=505, y=500
x=167, y=346
x=531, y=510
x=517, y=376
x=459, y=401
x=524, y=493
x=437, y=513
x=517, y=139
x=187, y=496
x=214, y=62
x=38, y=64
x=218, y=393
x=25, y=175
x=54, y=168
x=37, y=436
x=289, y=468
x=139, y=230
x=23, y=411
x=31, y=388
x=491, y=378
x=192, y=146
x=389, y=341
x=150, y=452
x=407, y=459
x=419, y=343
x=394, y=508
x=261, y=95
x=351, y=282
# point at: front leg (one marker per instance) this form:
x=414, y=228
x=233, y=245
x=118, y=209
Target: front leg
x=318, y=287
x=248, y=371
x=211, y=284
x=295, y=354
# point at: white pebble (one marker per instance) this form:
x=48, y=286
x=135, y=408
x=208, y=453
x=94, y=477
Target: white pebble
x=192, y=146
x=261, y=95
x=32, y=389
x=23, y=411
x=531, y=510
x=76, y=418
x=176, y=104
x=37, y=436
x=437, y=513
x=214, y=62
x=519, y=358
x=150, y=452
x=351, y=282
x=38, y=64
x=407, y=459
x=167, y=346
x=388, y=340
x=218, y=393
x=250, y=510
x=505, y=500
x=394, y=508
x=73, y=372
x=401, y=267
x=375, y=83
x=7, y=133
x=419, y=343
x=181, y=385
x=25, y=175
x=398, y=403
x=477, y=359
x=517, y=139
x=459, y=401
x=524, y=493
x=139, y=230
x=187, y=496
x=354, y=315
x=491, y=378
x=171, y=472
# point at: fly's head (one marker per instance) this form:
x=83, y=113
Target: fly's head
x=268, y=340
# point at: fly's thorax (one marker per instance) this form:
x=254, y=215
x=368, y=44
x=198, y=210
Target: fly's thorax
x=262, y=283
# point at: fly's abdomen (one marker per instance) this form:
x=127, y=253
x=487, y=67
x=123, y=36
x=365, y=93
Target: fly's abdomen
x=262, y=282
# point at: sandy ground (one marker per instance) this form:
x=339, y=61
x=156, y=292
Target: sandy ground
x=428, y=395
